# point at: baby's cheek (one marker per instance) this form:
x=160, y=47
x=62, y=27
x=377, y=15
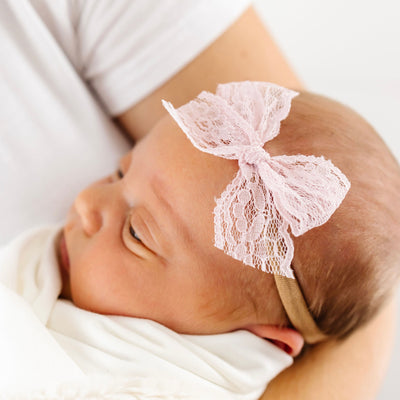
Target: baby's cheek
x=87, y=281
x=100, y=284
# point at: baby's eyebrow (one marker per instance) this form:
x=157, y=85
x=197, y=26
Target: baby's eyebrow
x=159, y=189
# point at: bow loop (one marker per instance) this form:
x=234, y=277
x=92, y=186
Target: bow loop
x=306, y=189
x=263, y=105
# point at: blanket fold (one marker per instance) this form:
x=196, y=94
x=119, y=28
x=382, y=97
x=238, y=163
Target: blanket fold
x=51, y=349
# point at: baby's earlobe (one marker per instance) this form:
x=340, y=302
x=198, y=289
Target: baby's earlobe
x=287, y=339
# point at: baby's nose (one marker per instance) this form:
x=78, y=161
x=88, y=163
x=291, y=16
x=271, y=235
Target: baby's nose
x=88, y=205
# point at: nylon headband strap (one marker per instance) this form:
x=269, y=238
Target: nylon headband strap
x=296, y=309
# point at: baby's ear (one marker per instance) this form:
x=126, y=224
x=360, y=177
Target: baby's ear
x=287, y=339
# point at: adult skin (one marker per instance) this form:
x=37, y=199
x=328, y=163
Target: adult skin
x=350, y=369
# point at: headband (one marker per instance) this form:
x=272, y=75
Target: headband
x=268, y=194
x=297, y=310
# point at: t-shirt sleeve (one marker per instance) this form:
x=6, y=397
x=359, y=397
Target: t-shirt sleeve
x=127, y=49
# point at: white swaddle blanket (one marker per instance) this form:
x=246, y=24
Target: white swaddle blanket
x=46, y=342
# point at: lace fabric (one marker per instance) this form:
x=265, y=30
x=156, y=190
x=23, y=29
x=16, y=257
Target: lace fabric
x=269, y=194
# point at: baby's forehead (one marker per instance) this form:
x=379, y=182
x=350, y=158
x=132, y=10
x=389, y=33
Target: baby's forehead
x=168, y=166
x=172, y=150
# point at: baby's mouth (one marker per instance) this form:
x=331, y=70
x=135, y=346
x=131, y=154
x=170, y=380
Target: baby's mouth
x=63, y=254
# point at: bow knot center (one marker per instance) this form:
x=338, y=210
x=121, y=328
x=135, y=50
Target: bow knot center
x=254, y=154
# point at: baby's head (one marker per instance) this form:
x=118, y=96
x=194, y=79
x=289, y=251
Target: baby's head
x=140, y=242
x=349, y=266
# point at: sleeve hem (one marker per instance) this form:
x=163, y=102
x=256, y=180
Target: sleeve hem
x=144, y=75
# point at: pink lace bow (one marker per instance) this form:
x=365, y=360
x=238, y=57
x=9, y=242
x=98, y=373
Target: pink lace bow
x=268, y=194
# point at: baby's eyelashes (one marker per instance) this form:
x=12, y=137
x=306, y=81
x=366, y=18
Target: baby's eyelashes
x=133, y=241
x=116, y=176
x=134, y=234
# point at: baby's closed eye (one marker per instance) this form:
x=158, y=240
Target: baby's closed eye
x=134, y=234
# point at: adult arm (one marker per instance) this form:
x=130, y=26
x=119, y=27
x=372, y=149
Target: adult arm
x=347, y=370
x=246, y=51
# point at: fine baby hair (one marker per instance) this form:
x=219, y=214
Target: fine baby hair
x=347, y=265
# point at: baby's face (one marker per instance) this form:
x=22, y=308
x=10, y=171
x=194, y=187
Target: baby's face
x=140, y=241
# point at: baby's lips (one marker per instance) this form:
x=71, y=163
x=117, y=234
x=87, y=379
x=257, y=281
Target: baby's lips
x=64, y=253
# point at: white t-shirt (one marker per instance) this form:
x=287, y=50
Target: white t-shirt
x=45, y=340
x=66, y=66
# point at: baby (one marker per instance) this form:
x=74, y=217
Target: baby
x=149, y=227
x=140, y=242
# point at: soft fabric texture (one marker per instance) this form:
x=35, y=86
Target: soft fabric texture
x=50, y=346
x=65, y=67
x=268, y=194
